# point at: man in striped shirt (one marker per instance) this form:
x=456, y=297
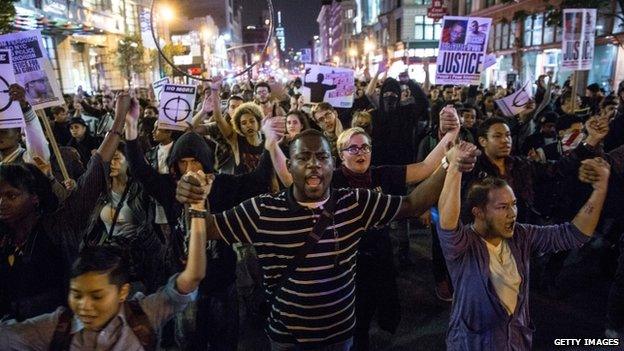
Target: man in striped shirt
x=314, y=309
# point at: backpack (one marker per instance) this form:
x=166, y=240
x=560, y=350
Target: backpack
x=136, y=317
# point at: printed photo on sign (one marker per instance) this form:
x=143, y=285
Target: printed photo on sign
x=177, y=103
x=333, y=85
x=454, y=32
x=579, y=28
x=33, y=69
x=573, y=25
x=461, y=57
x=11, y=115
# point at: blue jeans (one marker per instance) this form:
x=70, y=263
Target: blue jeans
x=340, y=346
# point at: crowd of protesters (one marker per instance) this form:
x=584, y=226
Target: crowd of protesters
x=280, y=211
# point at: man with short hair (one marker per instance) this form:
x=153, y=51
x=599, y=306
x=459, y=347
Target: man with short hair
x=312, y=302
x=60, y=127
x=489, y=259
x=520, y=172
x=263, y=99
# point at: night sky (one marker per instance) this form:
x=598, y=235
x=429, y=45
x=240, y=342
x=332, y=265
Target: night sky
x=298, y=18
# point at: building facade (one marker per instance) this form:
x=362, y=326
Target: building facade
x=526, y=45
x=81, y=38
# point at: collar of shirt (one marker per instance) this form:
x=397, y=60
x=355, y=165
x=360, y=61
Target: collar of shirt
x=120, y=318
x=165, y=148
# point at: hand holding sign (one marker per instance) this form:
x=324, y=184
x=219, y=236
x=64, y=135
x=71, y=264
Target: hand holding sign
x=18, y=93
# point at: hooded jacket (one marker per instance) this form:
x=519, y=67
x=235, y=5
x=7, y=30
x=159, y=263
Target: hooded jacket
x=392, y=128
x=227, y=191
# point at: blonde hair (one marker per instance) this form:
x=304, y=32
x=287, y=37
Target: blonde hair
x=248, y=108
x=361, y=114
x=345, y=137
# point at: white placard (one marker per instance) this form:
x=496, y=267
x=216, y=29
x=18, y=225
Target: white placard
x=462, y=50
x=515, y=103
x=11, y=115
x=158, y=86
x=333, y=85
x=32, y=69
x=177, y=103
x=579, y=29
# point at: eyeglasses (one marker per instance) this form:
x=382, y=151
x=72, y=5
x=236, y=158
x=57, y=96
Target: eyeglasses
x=355, y=150
x=324, y=117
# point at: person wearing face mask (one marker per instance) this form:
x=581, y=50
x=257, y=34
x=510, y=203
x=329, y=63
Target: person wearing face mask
x=393, y=124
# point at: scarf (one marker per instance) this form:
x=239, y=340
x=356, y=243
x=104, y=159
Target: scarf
x=357, y=180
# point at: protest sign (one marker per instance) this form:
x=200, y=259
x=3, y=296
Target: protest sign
x=32, y=69
x=10, y=112
x=489, y=61
x=579, y=28
x=462, y=50
x=176, y=106
x=515, y=103
x=333, y=85
x=158, y=86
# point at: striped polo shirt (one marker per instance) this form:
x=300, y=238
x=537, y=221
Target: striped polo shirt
x=315, y=306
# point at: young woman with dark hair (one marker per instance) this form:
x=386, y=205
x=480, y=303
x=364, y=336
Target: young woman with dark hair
x=38, y=239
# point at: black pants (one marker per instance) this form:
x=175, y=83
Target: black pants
x=376, y=291
x=215, y=326
x=615, y=305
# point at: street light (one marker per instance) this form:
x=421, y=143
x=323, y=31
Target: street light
x=167, y=13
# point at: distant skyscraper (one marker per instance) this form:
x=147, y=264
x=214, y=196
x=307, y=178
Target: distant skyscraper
x=280, y=33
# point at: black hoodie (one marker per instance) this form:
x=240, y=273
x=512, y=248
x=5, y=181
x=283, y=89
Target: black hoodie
x=394, y=130
x=227, y=192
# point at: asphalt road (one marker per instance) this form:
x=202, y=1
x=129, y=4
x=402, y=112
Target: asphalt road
x=577, y=311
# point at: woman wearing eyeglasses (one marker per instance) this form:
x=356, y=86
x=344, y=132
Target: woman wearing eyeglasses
x=376, y=289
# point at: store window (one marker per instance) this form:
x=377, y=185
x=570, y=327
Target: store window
x=467, y=7
x=618, y=23
x=426, y=28
x=533, y=29
x=498, y=36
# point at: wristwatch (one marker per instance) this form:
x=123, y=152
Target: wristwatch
x=197, y=213
x=445, y=163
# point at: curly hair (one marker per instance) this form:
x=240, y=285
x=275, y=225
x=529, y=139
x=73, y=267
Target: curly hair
x=244, y=109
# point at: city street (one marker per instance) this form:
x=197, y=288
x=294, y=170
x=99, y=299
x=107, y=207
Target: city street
x=579, y=314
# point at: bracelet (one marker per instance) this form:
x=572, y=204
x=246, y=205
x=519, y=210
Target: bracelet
x=445, y=163
x=24, y=109
x=197, y=213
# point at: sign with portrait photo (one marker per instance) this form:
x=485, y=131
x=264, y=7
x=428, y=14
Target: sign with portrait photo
x=33, y=69
x=462, y=50
x=579, y=28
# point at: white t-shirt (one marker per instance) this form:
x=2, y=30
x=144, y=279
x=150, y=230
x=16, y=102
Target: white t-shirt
x=504, y=274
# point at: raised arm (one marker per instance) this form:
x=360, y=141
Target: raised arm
x=190, y=191
x=224, y=126
x=273, y=129
x=36, y=144
x=195, y=269
x=463, y=157
x=449, y=205
x=200, y=116
x=596, y=172
x=449, y=121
